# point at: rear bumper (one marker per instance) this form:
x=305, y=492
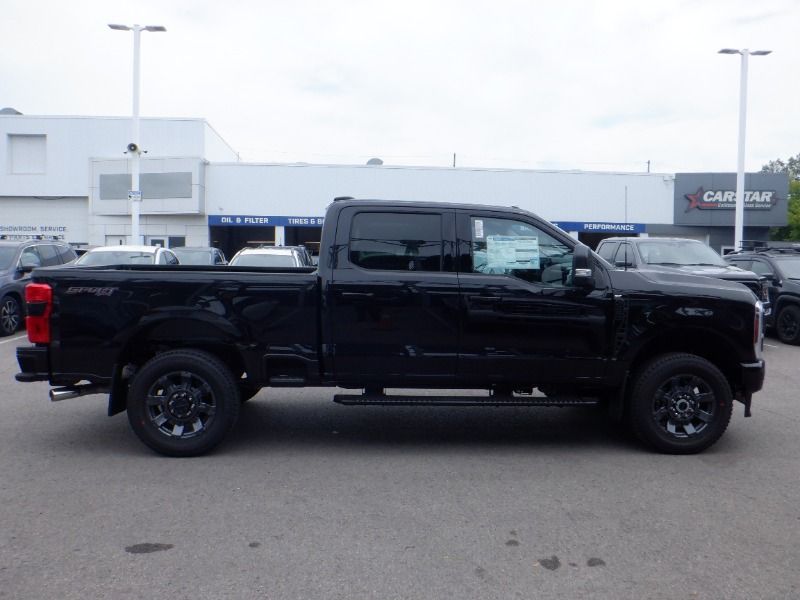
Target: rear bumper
x=33, y=364
x=753, y=376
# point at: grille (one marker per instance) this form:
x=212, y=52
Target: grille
x=759, y=288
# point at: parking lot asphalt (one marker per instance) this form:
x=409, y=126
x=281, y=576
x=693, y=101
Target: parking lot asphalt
x=310, y=499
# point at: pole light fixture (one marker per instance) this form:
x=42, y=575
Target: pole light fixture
x=739, y=221
x=134, y=148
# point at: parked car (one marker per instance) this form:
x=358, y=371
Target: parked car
x=679, y=255
x=17, y=260
x=104, y=256
x=272, y=256
x=199, y=255
x=780, y=266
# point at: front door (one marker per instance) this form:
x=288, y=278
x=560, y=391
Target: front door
x=393, y=300
x=523, y=320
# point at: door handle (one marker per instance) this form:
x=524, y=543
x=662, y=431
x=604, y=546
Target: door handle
x=357, y=295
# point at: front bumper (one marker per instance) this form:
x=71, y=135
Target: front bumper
x=33, y=363
x=753, y=376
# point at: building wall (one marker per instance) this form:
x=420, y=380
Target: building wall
x=71, y=141
x=269, y=189
x=51, y=170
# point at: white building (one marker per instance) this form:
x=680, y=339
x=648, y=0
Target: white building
x=70, y=176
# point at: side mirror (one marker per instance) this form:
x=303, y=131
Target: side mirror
x=581, y=267
x=623, y=263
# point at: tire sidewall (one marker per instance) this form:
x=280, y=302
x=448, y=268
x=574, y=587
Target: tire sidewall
x=18, y=308
x=652, y=376
x=795, y=311
x=212, y=371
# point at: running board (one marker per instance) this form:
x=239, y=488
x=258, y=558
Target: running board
x=380, y=399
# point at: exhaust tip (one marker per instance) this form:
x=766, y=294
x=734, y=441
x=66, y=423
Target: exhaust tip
x=63, y=394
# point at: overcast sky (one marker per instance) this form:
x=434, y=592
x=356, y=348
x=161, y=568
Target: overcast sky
x=559, y=84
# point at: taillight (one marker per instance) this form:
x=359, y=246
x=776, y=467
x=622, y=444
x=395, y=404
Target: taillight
x=39, y=300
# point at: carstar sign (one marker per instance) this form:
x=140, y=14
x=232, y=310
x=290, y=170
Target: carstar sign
x=709, y=199
x=726, y=199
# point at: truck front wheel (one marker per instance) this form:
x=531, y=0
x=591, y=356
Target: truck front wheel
x=183, y=402
x=787, y=325
x=10, y=315
x=680, y=404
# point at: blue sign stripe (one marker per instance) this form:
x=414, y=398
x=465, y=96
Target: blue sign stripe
x=264, y=221
x=601, y=227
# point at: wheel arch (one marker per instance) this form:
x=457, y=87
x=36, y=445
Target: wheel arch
x=708, y=344
x=156, y=336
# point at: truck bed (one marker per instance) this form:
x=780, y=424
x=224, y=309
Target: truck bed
x=100, y=314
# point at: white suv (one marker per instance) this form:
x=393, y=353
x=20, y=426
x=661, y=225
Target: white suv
x=272, y=256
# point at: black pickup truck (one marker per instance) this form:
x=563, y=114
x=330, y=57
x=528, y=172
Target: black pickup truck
x=406, y=295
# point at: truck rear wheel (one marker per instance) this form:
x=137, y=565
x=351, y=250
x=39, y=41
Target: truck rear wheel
x=183, y=402
x=680, y=404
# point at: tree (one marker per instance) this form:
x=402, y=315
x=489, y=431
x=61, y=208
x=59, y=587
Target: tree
x=792, y=168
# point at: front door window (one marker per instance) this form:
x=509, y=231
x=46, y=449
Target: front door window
x=521, y=250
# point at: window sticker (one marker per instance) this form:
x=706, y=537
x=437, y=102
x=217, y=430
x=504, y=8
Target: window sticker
x=512, y=252
x=478, y=229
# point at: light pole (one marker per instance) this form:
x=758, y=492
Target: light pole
x=134, y=149
x=739, y=221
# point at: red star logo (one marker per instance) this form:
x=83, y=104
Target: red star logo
x=694, y=199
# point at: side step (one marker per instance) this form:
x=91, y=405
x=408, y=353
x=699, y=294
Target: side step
x=287, y=381
x=383, y=399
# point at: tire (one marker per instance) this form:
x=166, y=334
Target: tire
x=183, y=403
x=680, y=404
x=10, y=315
x=787, y=325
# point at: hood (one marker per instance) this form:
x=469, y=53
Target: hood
x=730, y=273
x=673, y=282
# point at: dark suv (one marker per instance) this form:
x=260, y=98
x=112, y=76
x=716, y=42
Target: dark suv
x=17, y=260
x=680, y=255
x=780, y=265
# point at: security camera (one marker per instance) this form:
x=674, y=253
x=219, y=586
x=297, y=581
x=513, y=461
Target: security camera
x=133, y=147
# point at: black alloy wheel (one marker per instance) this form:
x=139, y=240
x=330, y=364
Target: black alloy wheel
x=10, y=316
x=183, y=402
x=680, y=404
x=787, y=325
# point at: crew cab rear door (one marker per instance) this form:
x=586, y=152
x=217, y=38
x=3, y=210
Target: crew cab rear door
x=392, y=304
x=523, y=320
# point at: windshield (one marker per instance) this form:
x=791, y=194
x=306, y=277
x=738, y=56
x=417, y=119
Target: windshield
x=7, y=254
x=193, y=257
x=264, y=260
x=97, y=258
x=679, y=252
x=789, y=266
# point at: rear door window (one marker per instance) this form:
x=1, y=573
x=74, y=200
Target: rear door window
x=396, y=241
x=49, y=255
x=66, y=254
